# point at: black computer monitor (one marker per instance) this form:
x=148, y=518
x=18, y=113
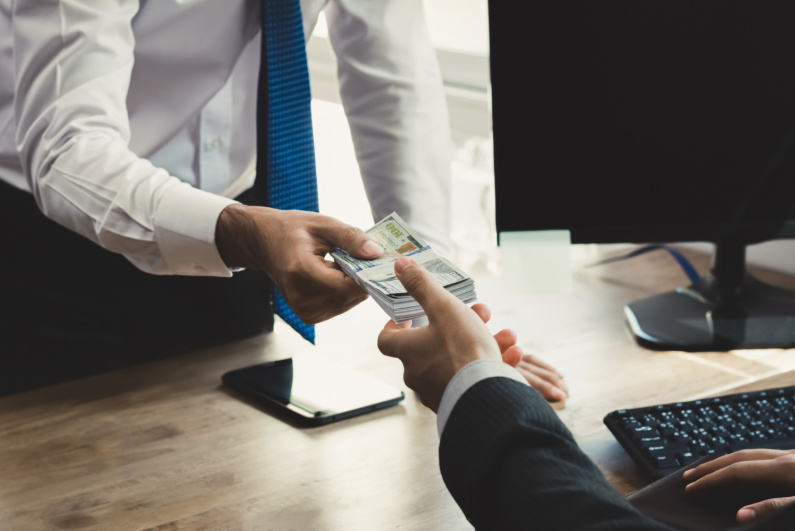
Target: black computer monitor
x=654, y=121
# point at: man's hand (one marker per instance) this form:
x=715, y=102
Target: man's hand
x=290, y=246
x=765, y=476
x=543, y=377
x=506, y=339
x=454, y=337
x=540, y=375
x=433, y=354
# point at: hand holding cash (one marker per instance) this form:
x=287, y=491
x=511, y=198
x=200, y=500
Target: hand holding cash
x=378, y=278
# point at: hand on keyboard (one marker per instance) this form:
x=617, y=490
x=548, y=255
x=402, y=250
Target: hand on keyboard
x=758, y=481
x=665, y=437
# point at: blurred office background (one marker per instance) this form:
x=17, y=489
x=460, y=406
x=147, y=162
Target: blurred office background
x=459, y=32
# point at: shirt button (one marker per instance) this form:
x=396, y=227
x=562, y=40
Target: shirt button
x=213, y=144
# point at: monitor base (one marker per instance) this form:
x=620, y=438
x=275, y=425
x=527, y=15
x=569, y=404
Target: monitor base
x=695, y=319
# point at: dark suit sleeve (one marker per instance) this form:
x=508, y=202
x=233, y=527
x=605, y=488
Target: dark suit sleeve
x=510, y=463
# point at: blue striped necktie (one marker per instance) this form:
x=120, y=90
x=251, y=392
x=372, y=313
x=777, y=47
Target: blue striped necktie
x=285, y=147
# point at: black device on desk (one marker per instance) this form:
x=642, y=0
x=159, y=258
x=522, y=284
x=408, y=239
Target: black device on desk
x=666, y=437
x=312, y=389
x=655, y=121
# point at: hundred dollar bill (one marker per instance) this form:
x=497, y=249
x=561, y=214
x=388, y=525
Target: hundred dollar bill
x=378, y=276
x=384, y=280
x=394, y=236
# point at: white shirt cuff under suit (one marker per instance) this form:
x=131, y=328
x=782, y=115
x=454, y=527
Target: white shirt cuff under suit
x=468, y=376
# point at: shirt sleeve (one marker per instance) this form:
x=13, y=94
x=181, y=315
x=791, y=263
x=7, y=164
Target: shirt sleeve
x=73, y=61
x=469, y=375
x=393, y=96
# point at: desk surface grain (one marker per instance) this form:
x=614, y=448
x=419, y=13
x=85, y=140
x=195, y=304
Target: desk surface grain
x=163, y=446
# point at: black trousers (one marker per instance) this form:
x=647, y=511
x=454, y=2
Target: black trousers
x=69, y=308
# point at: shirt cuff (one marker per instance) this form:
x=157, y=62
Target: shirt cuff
x=471, y=374
x=185, y=231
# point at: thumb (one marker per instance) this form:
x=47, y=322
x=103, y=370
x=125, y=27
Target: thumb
x=754, y=511
x=352, y=240
x=421, y=285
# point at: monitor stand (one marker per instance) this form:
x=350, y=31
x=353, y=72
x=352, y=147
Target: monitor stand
x=727, y=309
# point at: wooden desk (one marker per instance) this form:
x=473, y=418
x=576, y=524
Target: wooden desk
x=163, y=446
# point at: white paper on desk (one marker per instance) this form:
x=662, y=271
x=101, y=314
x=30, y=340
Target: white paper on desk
x=536, y=261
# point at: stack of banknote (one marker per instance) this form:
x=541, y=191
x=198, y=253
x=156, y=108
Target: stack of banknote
x=378, y=276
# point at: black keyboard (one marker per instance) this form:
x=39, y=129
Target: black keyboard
x=666, y=437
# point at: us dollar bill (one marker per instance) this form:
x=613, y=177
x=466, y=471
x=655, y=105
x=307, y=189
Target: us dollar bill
x=395, y=238
x=377, y=276
x=384, y=280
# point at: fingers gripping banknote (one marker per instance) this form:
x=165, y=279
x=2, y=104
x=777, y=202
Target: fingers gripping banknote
x=394, y=236
x=378, y=276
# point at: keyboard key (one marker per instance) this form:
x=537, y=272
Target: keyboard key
x=666, y=429
x=664, y=461
x=644, y=431
x=686, y=458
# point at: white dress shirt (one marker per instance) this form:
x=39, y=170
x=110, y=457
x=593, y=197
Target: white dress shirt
x=133, y=122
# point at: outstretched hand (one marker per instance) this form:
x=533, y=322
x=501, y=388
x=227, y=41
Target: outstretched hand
x=454, y=337
x=539, y=374
x=290, y=246
x=761, y=481
x=506, y=339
